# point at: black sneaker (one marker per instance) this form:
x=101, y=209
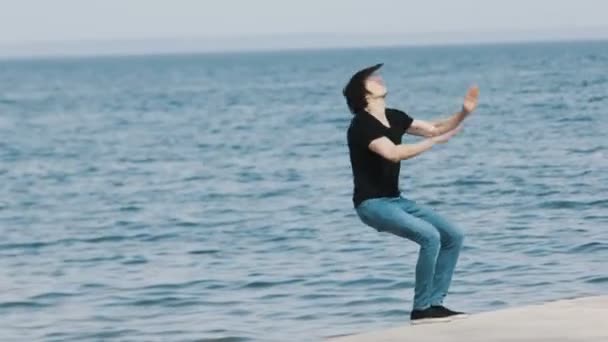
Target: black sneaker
x=449, y=313
x=429, y=315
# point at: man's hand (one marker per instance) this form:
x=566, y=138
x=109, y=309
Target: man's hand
x=445, y=126
x=470, y=100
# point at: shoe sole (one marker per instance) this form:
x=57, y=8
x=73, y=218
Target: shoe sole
x=461, y=316
x=431, y=320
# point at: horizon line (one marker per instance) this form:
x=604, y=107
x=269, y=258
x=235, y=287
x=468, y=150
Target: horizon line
x=285, y=42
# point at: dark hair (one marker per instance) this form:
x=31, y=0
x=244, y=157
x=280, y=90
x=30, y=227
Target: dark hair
x=355, y=90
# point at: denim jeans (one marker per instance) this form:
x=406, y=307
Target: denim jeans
x=439, y=240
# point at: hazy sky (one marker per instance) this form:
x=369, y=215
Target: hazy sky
x=24, y=21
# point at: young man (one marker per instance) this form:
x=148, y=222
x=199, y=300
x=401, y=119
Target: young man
x=374, y=142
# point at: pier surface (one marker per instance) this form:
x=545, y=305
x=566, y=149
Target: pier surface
x=583, y=319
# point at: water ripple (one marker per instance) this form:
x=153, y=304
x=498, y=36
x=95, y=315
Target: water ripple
x=591, y=247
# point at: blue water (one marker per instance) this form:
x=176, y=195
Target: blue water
x=208, y=197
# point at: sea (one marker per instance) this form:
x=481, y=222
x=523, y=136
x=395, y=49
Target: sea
x=207, y=197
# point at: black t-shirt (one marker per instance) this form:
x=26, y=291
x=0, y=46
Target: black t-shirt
x=374, y=176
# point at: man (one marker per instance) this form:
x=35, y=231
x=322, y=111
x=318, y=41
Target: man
x=374, y=142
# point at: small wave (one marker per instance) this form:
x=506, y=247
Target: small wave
x=548, y=106
x=196, y=178
x=547, y=193
x=101, y=239
x=226, y=339
x=239, y=312
x=597, y=280
x=471, y=182
x=93, y=260
x=354, y=249
x=501, y=192
x=267, y=284
x=560, y=204
x=601, y=203
x=527, y=91
x=221, y=303
x=339, y=335
x=154, y=238
x=498, y=303
x=204, y=251
x=105, y=335
x=51, y=296
x=590, y=247
x=25, y=245
x=378, y=300
x=168, y=301
x=22, y=305
x=576, y=119
x=586, y=150
x=597, y=99
x=135, y=261
x=92, y=286
x=175, y=286
x=537, y=284
x=278, y=239
x=398, y=285
x=104, y=318
x=366, y=281
x=435, y=202
x=595, y=217
x=130, y=208
x=215, y=286
x=57, y=336
x=573, y=204
x=8, y=101
x=187, y=224
x=394, y=313
x=122, y=223
x=315, y=296
x=489, y=282
x=275, y=296
x=137, y=160
x=275, y=193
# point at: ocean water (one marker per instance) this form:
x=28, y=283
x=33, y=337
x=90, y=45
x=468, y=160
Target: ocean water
x=208, y=197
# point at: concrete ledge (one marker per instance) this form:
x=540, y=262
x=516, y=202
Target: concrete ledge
x=584, y=319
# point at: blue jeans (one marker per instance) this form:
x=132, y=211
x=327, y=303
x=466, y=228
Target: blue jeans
x=439, y=240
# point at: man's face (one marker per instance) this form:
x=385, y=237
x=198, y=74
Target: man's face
x=375, y=86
